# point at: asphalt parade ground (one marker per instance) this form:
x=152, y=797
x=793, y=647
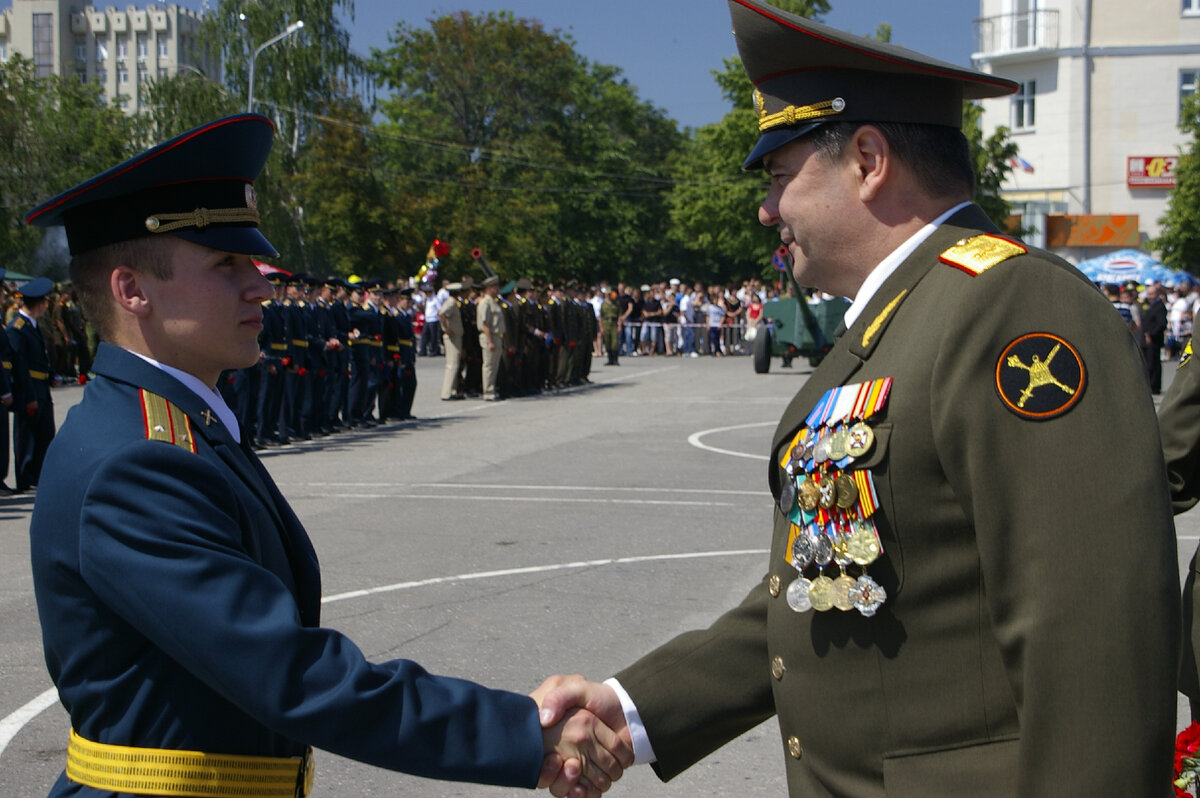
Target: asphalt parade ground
x=503, y=542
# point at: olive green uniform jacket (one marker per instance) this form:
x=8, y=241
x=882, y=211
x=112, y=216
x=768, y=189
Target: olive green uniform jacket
x=1179, y=420
x=1028, y=645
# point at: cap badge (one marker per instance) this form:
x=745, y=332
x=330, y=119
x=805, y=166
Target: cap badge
x=251, y=197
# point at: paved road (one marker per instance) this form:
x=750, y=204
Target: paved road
x=501, y=542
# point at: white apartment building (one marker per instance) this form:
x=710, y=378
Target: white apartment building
x=121, y=49
x=1097, y=114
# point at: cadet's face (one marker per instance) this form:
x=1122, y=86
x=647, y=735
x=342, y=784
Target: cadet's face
x=207, y=317
x=807, y=201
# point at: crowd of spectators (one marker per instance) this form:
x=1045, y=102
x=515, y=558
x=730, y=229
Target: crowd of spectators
x=1160, y=318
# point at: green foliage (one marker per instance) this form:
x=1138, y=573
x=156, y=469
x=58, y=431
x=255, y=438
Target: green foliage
x=499, y=136
x=991, y=159
x=54, y=132
x=346, y=215
x=1179, y=241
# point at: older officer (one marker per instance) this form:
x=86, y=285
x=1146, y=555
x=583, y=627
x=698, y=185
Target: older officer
x=32, y=376
x=946, y=612
x=1179, y=422
x=179, y=596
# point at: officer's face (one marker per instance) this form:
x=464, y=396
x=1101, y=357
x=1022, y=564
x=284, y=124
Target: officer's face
x=207, y=317
x=808, y=200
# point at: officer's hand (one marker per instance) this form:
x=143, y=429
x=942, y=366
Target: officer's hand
x=6, y=400
x=560, y=695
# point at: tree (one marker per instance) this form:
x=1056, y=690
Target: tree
x=294, y=79
x=54, y=132
x=500, y=136
x=992, y=160
x=346, y=215
x=1179, y=241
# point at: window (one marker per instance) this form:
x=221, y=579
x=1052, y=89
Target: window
x=1188, y=80
x=102, y=75
x=122, y=75
x=101, y=52
x=122, y=48
x=43, y=45
x=162, y=73
x=3, y=52
x=141, y=47
x=1023, y=116
x=80, y=51
x=1191, y=8
x=162, y=48
x=143, y=74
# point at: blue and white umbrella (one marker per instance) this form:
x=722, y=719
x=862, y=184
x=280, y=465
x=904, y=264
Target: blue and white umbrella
x=1130, y=265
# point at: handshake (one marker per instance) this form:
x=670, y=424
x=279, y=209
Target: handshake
x=584, y=735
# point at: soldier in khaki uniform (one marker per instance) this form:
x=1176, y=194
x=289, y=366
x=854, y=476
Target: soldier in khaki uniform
x=972, y=585
x=490, y=318
x=1179, y=422
x=452, y=341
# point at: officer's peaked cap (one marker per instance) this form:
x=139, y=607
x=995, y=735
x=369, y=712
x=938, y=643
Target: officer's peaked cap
x=198, y=186
x=806, y=74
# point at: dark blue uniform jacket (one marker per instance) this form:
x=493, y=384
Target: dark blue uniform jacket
x=179, y=600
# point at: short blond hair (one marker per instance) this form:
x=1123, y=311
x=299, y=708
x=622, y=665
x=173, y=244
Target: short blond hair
x=90, y=272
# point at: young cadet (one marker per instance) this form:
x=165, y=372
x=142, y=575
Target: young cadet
x=972, y=586
x=178, y=594
x=32, y=376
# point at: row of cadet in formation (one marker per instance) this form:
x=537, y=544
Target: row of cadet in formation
x=338, y=355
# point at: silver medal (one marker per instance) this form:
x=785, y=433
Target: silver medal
x=823, y=550
x=787, y=496
x=797, y=595
x=803, y=549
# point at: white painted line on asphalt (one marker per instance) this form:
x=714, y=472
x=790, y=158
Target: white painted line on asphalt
x=496, y=486
x=539, y=569
x=13, y=723
x=557, y=499
x=694, y=440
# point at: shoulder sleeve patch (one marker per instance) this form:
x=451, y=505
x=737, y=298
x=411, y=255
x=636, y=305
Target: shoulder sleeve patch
x=977, y=254
x=165, y=422
x=1040, y=376
x=19, y=323
x=1187, y=354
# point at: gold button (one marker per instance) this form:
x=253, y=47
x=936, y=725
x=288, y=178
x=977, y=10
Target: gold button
x=794, y=748
x=777, y=668
x=774, y=585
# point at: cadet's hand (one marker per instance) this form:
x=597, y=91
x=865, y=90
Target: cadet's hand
x=7, y=399
x=557, y=696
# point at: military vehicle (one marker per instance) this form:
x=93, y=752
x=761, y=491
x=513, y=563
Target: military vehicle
x=792, y=326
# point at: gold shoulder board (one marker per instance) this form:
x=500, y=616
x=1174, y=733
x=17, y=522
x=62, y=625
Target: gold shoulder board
x=977, y=254
x=165, y=422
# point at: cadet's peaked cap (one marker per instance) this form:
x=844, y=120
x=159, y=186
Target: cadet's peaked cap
x=36, y=288
x=492, y=280
x=198, y=186
x=806, y=74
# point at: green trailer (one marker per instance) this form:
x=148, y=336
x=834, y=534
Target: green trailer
x=791, y=327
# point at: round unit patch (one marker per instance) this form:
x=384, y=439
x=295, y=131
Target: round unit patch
x=1040, y=376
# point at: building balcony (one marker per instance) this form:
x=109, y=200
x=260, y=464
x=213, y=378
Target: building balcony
x=1010, y=36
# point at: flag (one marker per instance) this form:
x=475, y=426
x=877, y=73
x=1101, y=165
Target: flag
x=1017, y=162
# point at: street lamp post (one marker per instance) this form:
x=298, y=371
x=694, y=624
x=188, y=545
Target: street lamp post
x=295, y=26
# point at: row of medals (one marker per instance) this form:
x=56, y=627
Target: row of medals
x=835, y=527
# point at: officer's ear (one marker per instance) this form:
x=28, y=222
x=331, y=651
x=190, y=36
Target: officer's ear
x=871, y=156
x=128, y=291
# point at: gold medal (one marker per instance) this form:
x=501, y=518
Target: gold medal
x=837, y=445
x=843, y=588
x=847, y=491
x=807, y=495
x=859, y=440
x=863, y=544
x=820, y=593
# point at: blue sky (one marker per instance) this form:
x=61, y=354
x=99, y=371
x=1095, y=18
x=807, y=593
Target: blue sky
x=668, y=48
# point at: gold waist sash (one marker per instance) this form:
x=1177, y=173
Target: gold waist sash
x=187, y=774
